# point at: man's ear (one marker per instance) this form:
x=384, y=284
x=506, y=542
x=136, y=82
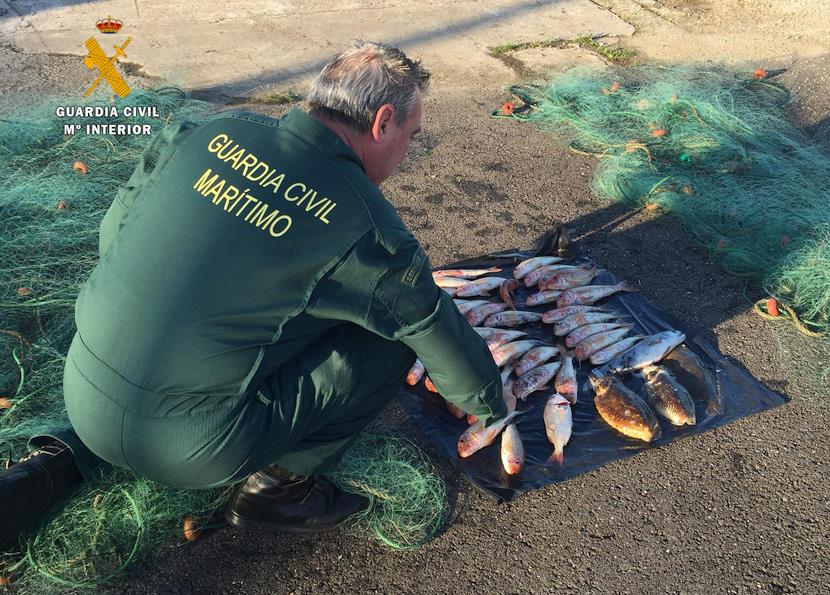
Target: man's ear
x=383, y=119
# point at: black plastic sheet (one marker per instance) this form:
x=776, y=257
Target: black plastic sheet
x=593, y=443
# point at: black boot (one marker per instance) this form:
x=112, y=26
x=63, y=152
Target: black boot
x=274, y=499
x=29, y=486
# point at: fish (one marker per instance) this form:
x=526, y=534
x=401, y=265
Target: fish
x=512, y=450
x=455, y=410
x=506, y=292
x=692, y=374
x=500, y=337
x=569, y=278
x=594, y=343
x=668, y=397
x=566, y=383
x=574, y=321
x=543, y=297
x=465, y=306
x=510, y=352
x=512, y=318
x=465, y=273
x=450, y=282
x=590, y=294
x=534, y=358
x=648, y=351
x=479, y=287
x=605, y=355
x=479, y=314
x=477, y=436
x=416, y=372
x=507, y=387
x=526, y=266
x=486, y=332
x=536, y=379
x=558, y=419
x=559, y=314
x=536, y=275
x=429, y=385
x=624, y=410
x=589, y=330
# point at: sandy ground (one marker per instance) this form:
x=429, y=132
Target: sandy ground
x=742, y=509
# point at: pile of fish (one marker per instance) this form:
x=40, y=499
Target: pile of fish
x=581, y=330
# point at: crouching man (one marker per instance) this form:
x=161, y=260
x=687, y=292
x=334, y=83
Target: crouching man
x=256, y=304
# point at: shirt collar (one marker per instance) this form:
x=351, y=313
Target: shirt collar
x=314, y=132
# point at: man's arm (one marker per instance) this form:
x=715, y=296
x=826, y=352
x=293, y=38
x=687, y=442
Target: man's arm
x=394, y=295
x=157, y=153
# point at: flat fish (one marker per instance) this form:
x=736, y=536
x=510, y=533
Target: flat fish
x=536, y=379
x=566, y=383
x=416, y=372
x=512, y=450
x=534, y=358
x=624, y=410
x=465, y=273
x=589, y=330
x=512, y=318
x=480, y=313
x=526, y=266
x=479, y=287
x=477, y=436
x=605, y=355
x=558, y=419
x=510, y=352
x=594, y=343
x=590, y=294
x=559, y=314
x=689, y=371
x=578, y=319
x=648, y=351
x=668, y=398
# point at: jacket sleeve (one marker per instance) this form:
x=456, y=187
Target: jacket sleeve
x=394, y=296
x=155, y=156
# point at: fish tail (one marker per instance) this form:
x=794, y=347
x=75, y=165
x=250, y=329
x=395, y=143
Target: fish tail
x=558, y=456
x=625, y=286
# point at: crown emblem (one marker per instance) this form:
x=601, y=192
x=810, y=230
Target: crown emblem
x=109, y=25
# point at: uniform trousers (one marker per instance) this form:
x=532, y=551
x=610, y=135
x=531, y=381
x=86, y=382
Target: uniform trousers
x=303, y=417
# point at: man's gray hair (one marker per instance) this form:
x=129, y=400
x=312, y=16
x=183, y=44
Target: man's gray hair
x=363, y=77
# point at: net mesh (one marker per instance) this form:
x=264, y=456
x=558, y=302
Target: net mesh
x=56, y=190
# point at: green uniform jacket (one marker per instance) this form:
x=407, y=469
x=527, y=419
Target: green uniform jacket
x=239, y=241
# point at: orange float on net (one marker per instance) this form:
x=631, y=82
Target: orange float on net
x=615, y=87
x=652, y=206
x=80, y=166
x=5, y=403
x=24, y=291
x=760, y=73
x=772, y=307
x=4, y=581
x=507, y=108
x=62, y=206
x=658, y=132
x=191, y=531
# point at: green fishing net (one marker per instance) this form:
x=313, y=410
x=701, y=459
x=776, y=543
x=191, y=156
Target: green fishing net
x=713, y=147
x=50, y=211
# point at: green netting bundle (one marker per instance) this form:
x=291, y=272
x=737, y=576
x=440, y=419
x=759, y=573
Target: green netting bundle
x=714, y=148
x=49, y=218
